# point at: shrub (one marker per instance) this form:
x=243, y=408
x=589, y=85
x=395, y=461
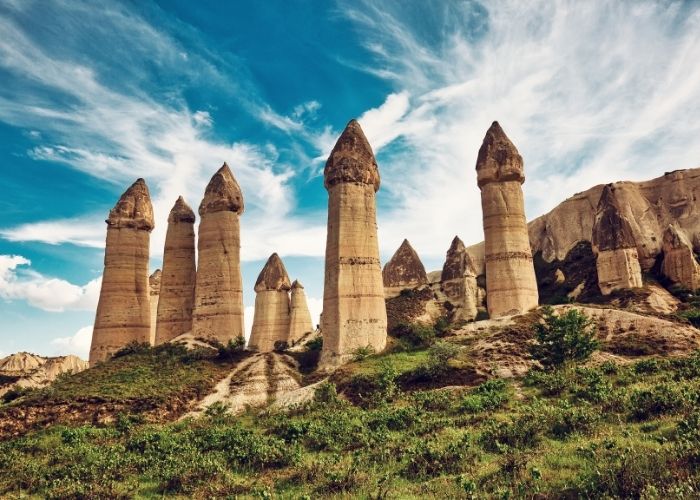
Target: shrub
x=132, y=348
x=362, y=352
x=659, y=400
x=592, y=385
x=434, y=400
x=567, y=420
x=426, y=458
x=551, y=383
x=416, y=335
x=326, y=394
x=231, y=350
x=521, y=431
x=486, y=397
x=563, y=338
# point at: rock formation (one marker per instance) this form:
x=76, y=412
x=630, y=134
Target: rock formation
x=218, y=306
x=679, y=264
x=299, y=316
x=271, y=320
x=403, y=271
x=154, y=281
x=354, y=311
x=511, y=287
x=179, y=275
x=123, y=311
x=613, y=243
x=458, y=281
x=25, y=370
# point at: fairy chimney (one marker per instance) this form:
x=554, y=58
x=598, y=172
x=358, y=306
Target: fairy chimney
x=154, y=281
x=403, y=271
x=299, y=316
x=123, y=311
x=458, y=281
x=511, y=287
x=271, y=319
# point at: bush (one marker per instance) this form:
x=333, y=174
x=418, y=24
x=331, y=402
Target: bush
x=232, y=350
x=362, y=352
x=659, y=400
x=427, y=459
x=487, y=397
x=326, y=394
x=563, y=338
x=132, y=348
x=416, y=335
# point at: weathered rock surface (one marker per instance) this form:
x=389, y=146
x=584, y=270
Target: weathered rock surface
x=123, y=311
x=511, y=287
x=617, y=262
x=679, y=264
x=354, y=311
x=154, y=281
x=403, y=271
x=179, y=275
x=218, y=306
x=458, y=281
x=272, y=308
x=300, y=323
x=24, y=370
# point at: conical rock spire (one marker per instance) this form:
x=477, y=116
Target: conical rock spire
x=611, y=230
x=458, y=263
x=222, y=193
x=404, y=269
x=273, y=276
x=133, y=209
x=352, y=159
x=498, y=159
x=181, y=212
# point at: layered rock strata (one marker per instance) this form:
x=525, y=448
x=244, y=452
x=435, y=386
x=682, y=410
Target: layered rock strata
x=511, y=287
x=272, y=308
x=300, y=322
x=179, y=275
x=154, y=281
x=613, y=242
x=403, y=271
x=354, y=311
x=123, y=310
x=679, y=264
x=218, y=305
x=458, y=281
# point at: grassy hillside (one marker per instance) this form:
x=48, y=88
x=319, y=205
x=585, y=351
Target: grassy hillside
x=601, y=431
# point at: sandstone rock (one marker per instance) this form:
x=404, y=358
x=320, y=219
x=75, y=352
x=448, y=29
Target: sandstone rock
x=679, y=264
x=617, y=262
x=123, y=311
x=403, y=271
x=154, y=281
x=354, y=311
x=179, y=275
x=271, y=320
x=458, y=282
x=218, y=306
x=511, y=287
x=26, y=370
x=300, y=323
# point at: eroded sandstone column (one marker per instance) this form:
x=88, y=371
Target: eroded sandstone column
x=123, y=310
x=179, y=275
x=218, y=305
x=679, y=264
x=458, y=281
x=511, y=287
x=403, y=271
x=154, y=281
x=271, y=319
x=354, y=311
x=614, y=245
x=300, y=322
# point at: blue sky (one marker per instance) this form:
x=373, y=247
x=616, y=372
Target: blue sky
x=95, y=94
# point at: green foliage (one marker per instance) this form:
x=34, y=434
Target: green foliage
x=661, y=399
x=232, y=350
x=326, y=393
x=563, y=338
x=487, y=397
x=362, y=352
x=415, y=336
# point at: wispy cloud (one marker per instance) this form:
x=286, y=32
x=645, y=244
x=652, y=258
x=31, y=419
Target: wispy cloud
x=77, y=344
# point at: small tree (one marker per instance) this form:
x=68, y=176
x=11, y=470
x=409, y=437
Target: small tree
x=562, y=338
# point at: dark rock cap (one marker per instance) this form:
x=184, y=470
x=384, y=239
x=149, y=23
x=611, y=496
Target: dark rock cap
x=273, y=276
x=297, y=284
x=181, y=212
x=458, y=263
x=351, y=160
x=134, y=209
x=404, y=268
x=223, y=194
x=498, y=159
x=611, y=230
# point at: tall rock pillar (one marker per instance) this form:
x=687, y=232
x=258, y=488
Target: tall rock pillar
x=511, y=287
x=617, y=261
x=218, y=305
x=123, y=311
x=354, y=311
x=271, y=319
x=179, y=275
x=299, y=316
x=458, y=281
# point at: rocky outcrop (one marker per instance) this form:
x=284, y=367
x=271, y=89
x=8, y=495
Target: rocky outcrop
x=123, y=311
x=154, y=281
x=25, y=370
x=271, y=320
x=617, y=262
x=403, y=271
x=511, y=287
x=179, y=275
x=458, y=282
x=679, y=264
x=300, y=323
x=218, y=306
x=354, y=311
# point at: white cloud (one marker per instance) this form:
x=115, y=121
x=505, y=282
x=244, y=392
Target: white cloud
x=315, y=308
x=77, y=344
x=17, y=282
x=87, y=232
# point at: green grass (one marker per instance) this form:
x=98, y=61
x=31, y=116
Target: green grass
x=612, y=431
